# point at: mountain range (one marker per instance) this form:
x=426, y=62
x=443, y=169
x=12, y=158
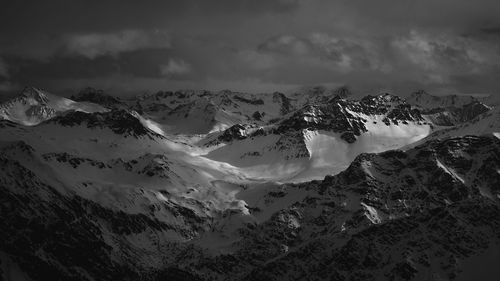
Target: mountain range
x=315, y=184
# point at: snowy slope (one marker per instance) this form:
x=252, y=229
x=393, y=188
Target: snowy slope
x=394, y=214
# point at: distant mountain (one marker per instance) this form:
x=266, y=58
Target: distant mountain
x=318, y=137
x=447, y=110
x=427, y=101
x=203, y=111
x=486, y=123
x=98, y=97
x=33, y=106
x=455, y=115
x=200, y=112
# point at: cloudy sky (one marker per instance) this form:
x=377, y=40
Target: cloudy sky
x=129, y=46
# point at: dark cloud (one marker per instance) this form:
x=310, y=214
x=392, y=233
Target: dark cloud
x=145, y=63
x=491, y=30
x=93, y=45
x=127, y=45
x=4, y=69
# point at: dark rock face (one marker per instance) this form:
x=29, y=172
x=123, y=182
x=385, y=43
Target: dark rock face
x=338, y=115
x=74, y=161
x=348, y=137
x=97, y=96
x=286, y=106
x=52, y=248
x=471, y=111
x=257, y=116
x=235, y=132
x=31, y=226
x=294, y=140
x=250, y=101
x=7, y=123
x=53, y=235
x=333, y=117
x=41, y=110
x=120, y=121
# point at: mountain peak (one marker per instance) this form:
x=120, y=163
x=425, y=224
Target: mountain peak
x=35, y=94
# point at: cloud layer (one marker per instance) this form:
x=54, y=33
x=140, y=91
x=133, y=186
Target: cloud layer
x=446, y=46
x=92, y=45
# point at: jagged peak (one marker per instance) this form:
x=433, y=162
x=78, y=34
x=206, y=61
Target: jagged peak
x=430, y=155
x=35, y=94
x=383, y=98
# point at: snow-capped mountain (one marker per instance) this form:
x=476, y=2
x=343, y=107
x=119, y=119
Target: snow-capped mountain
x=201, y=112
x=321, y=138
x=34, y=106
x=199, y=185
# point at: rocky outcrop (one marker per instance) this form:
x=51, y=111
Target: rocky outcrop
x=345, y=117
x=119, y=121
